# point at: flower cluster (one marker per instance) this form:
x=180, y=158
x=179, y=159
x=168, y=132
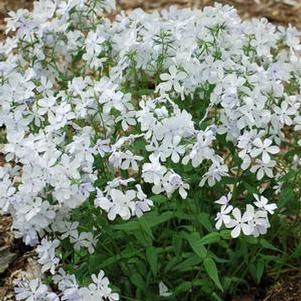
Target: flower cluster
x=34, y=290
x=104, y=114
x=253, y=221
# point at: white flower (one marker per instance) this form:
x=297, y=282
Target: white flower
x=59, y=116
x=33, y=290
x=46, y=105
x=224, y=200
x=91, y=112
x=37, y=213
x=260, y=223
x=175, y=182
x=127, y=119
x=223, y=217
x=241, y=223
x=102, y=284
x=201, y=150
x=120, y=204
x=47, y=257
x=173, y=149
x=261, y=168
x=111, y=99
x=68, y=229
x=153, y=172
x=84, y=239
x=284, y=112
x=265, y=148
x=103, y=147
x=68, y=285
x=115, y=159
x=143, y=204
x=129, y=160
x=262, y=203
x=215, y=173
x=6, y=193
x=172, y=79
x=163, y=290
x=94, y=46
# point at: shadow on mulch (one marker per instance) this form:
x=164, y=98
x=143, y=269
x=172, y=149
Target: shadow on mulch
x=282, y=12
x=16, y=259
x=287, y=288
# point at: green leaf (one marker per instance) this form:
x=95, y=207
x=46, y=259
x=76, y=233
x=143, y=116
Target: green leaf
x=158, y=199
x=145, y=227
x=138, y=281
x=205, y=221
x=127, y=253
x=286, y=195
x=196, y=244
x=177, y=243
x=259, y=270
x=183, y=287
x=155, y=219
x=171, y=264
x=251, y=240
x=225, y=234
x=152, y=258
x=267, y=245
x=211, y=270
x=297, y=252
x=127, y=226
x=210, y=238
x=188, y=264
x=251, y=189
x=151, y=219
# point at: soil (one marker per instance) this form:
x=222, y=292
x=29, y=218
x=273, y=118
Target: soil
x=17, y=260
x=278, y=11
x=288, y=288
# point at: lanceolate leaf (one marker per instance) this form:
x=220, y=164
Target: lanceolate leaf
x=211, y=270
x=196, y=244
x=152, y=258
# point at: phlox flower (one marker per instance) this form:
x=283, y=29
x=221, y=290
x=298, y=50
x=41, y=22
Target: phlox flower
x=223, y=217
x=47, y=257
x=215, y=173
x=83, y=239
x=32, y=290
x=172, y=182
x=172, y=80
x=241, y=223
x=224, y=200
x=261, y=169
x=262, y=203
x=6, y=193
x=153, y=172
x=163, y=290
x=264, y=148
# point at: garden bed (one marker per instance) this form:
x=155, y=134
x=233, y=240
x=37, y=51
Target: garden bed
x=21, y=259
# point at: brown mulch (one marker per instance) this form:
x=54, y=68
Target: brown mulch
x=288, y=288
x=8, y=5
x=16, y=260
x=277, y=11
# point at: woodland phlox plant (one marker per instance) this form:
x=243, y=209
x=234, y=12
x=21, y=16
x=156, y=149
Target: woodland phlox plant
x=107, y=117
